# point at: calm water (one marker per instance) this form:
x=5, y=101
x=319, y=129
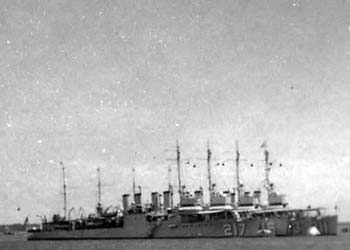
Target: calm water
x=310, y=243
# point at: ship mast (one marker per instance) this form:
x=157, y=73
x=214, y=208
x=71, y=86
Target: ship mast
x=170, y=187
x=133, y=182
x=64, y=191
x=99, y=204
x=99, y=186
x=267, y=170
x=237, y=171
x=209, y=171
x=178, y=168
x=169, y=178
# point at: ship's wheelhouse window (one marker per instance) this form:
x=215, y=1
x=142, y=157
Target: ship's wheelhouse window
x=345, y=230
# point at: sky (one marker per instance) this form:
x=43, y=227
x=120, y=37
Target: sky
x=114, y=84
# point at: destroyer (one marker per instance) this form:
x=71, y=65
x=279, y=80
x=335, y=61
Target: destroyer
x=226, y=215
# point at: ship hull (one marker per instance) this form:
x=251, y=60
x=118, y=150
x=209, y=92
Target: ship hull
x=326, y=225
x=213, y=229
x=164, y=229
x=95, y=234
x=137, y=227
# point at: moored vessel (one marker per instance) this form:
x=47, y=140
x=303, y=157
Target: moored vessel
x=234, y=213
x=292, y=221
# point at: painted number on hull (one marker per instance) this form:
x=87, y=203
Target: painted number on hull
x=241, y=229
x=228, y=230
x=233, y=230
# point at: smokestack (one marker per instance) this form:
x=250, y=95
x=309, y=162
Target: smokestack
x=167, y=200
x=126, y=203
x=137, y=199
x=233, y=198
x=257, y=195
x=99, y=209
x=198, y=194
x=227, y=197
x=155, y=201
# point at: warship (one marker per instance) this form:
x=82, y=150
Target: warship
x=233, y=213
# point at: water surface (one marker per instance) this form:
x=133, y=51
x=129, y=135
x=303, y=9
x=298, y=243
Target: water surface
x=285, y=243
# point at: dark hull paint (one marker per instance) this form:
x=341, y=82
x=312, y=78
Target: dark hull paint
x=138, y=228
x=327, y=225
x=162, y=229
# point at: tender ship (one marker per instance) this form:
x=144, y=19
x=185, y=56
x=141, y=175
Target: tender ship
x=234, y=213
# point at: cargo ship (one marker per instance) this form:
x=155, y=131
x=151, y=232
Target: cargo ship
x=228, y=214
